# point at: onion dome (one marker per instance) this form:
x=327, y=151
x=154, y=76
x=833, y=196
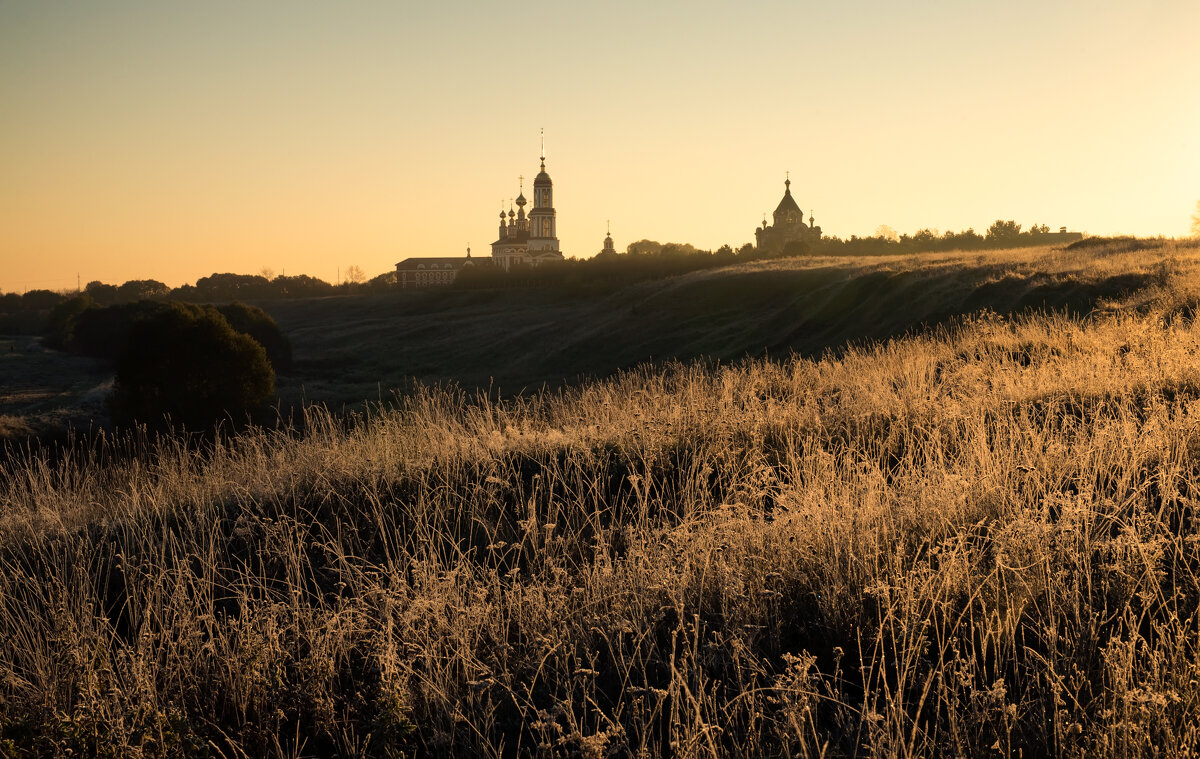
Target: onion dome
x=542, y=179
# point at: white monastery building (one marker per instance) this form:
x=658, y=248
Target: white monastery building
x=523, y=241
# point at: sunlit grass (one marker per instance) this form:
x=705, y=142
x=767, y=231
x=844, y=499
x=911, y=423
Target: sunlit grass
x=974, y=542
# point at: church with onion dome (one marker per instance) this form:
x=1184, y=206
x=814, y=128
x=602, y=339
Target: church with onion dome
x=525, y=240
x=788, y=227
x=529, y=240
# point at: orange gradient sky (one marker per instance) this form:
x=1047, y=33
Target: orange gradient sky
x=171, y=140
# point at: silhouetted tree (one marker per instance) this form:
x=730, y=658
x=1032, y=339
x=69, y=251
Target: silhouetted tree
x=40, y=300
x=1196, y=221
x=643, y=247
x=887, y=233
x=795, y=248
x=381, y=283
x=187, y=364
x=10, y=303
x=102, y=294
x=60, y=325
x=1003, y=231
x=301, y=286
x=141, y=289
x=232, y=287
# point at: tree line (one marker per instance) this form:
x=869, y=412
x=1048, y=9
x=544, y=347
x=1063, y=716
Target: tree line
x=26, y=313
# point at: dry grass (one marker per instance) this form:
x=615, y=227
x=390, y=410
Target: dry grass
x=977, y=542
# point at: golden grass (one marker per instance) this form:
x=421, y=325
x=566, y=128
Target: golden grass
x=976, y=542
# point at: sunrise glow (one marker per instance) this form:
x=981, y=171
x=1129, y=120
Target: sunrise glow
x=173, y=140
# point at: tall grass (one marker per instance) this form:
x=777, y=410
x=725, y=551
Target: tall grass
x=976, y=542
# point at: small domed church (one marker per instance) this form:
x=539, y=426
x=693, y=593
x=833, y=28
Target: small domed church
x=532, y=240
x=789, y=225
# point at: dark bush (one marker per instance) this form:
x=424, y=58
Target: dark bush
x=103, y=294
x=142, y=289
x=795, y=248
x=186, y=364
x=232, y=286
x=104, y=332
x=253, y=321
x=60, y=325
x=40, y=300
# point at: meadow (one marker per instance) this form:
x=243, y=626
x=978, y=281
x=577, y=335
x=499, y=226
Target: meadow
x=977, y=539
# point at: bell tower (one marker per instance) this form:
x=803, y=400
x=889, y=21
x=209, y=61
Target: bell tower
x=543, y=232
x=609, y=248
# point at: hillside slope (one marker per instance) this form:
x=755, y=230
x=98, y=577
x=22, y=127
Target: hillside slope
x=348, y=349
x=979, y=542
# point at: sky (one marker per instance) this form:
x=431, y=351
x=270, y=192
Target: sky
x=171, y=140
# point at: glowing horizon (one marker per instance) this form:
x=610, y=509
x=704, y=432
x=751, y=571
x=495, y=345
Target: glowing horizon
x=170, y=141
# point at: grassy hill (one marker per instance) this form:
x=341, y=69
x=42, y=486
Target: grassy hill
x=972, y=542
x=354, y=349
x=347, y=349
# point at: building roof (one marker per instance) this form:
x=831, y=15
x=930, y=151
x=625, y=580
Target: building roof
x=430, y=262
x=514, y=237
x=788, y=203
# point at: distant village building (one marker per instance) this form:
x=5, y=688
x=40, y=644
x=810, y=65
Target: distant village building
x=529, y=241
x=789, y=225
x=431, y=272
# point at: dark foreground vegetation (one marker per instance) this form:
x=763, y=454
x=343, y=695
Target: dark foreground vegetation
x=978, y=542
x=187, y=366
x=176, y=363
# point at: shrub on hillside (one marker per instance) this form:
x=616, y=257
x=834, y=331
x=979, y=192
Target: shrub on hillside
x=253, y=321
x=186, y=364
x=104, y=332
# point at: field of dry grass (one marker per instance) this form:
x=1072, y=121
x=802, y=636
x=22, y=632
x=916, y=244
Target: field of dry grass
x=977, y=541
